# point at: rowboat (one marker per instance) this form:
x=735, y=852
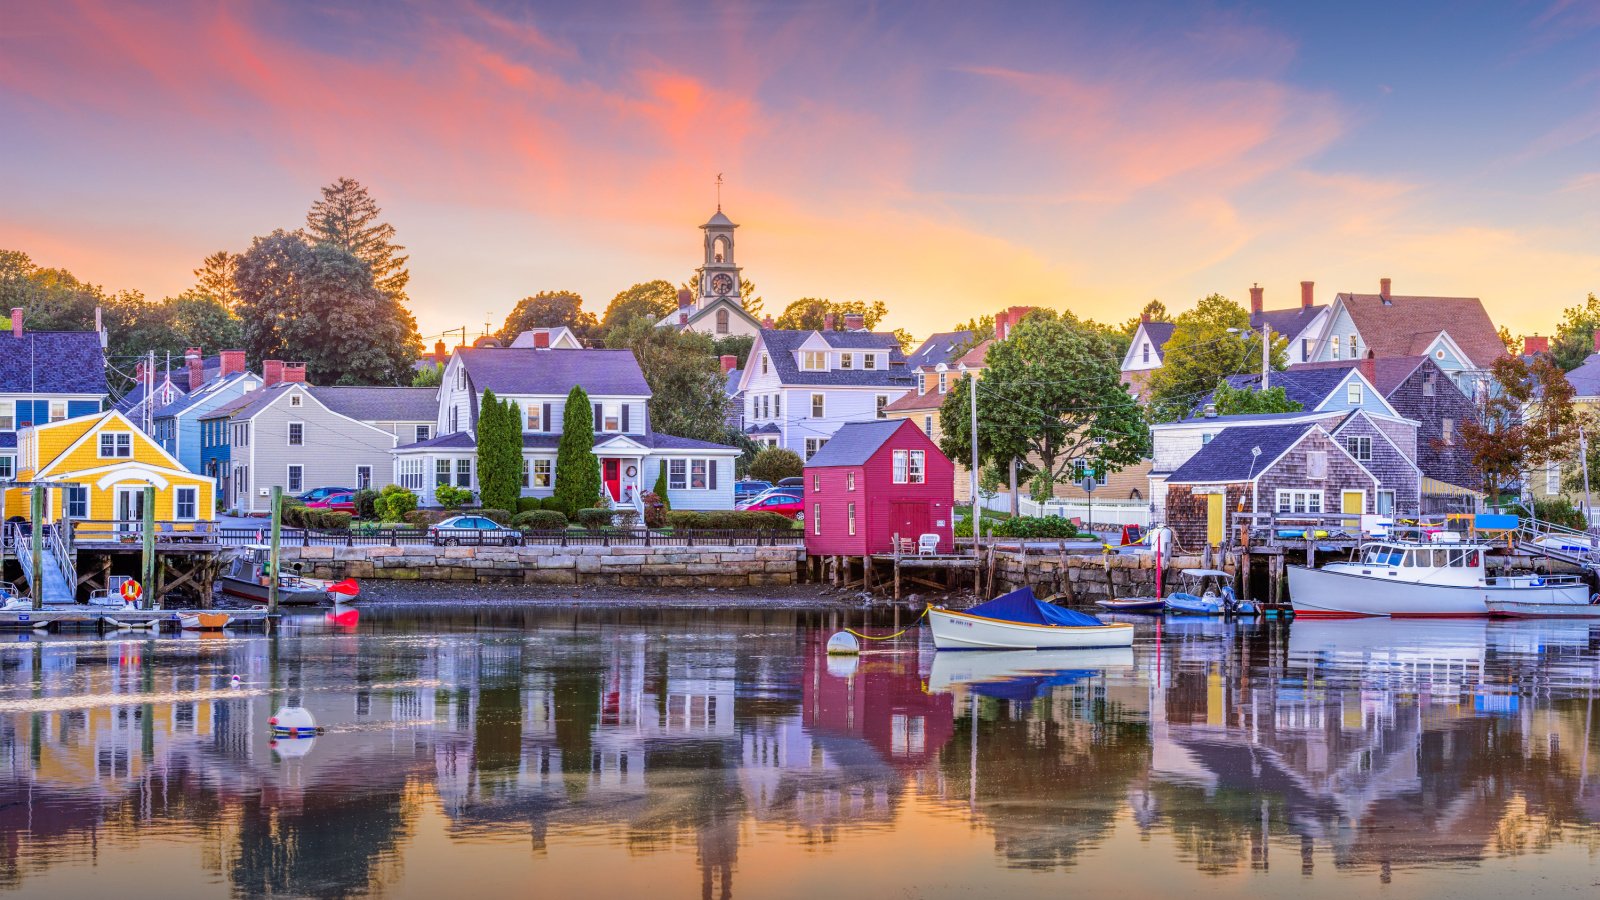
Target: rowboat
x=1000, y=672
x=1020, y=621
x=1133, y=605
x=205, y=621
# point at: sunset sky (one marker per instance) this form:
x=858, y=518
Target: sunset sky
x=948, y=159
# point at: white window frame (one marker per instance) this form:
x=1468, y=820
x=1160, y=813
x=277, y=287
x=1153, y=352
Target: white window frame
x=813, y=444
x=850, y=481
x=75, y=495
x=363, y=482
x=8, y=415
x=1298, y=502
x=1382, y=508
x=850, y=517
x=819, y=406
x=294, y=478
x=869, y=361
x=1353, y=393
x=463, y=468
x=944, y=382
x=177, y=503
x=441, y=471
x=610, y=417
x=699, y=477
x=533, y=417
x=1359, y=446
x=424, y=432
x=918, y=473
x=121, y=445
x=543, y=473
x=677, y=474
x=765, y=368
x=814, y=360
x=847, y=361
x=295, y=401
x=1552, y=478
x=816, y=518
x=289, y=435
x=8, y=467
x=58, y=410
x=1336, y=346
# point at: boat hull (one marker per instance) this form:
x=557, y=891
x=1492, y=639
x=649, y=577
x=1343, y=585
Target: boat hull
x=1320, y=593
x=1523, y=609
x=1133, y=604
x=958, y=631
x=1190, y=605
x=257, y=593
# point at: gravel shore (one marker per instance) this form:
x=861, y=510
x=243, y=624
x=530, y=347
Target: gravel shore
x=447, y=593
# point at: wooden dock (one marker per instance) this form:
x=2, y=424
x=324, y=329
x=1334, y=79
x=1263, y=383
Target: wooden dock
x=84, y=618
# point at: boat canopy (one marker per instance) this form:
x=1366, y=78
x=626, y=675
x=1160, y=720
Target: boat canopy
x=1022, y=607
x=1205, y=573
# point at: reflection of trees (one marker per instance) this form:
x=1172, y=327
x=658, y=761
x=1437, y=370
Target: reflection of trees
x=1048, y=787
x=331, y=845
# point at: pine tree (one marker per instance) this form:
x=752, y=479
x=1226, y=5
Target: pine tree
x=499, y=453
x=577, y=468
x=347, y=217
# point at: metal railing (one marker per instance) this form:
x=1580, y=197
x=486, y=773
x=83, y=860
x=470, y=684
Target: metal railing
x=59, y=538
x=572, y=537
x=129, y=531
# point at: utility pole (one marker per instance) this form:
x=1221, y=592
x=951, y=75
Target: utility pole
x=1266, y=352
x=147, y=558
x=977, y=501
x=272, y=553
x=1583, y=454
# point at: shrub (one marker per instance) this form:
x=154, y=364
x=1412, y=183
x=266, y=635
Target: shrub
x=528, y=504
x=541, y=520
x=452, y=497
x=594, y=518
x=366, y=501
x=556, y=504
x=655, y=509
x=627, y=518
x=335, y=519
x=683, y=519
x=775, y=464
x=577, y=468
x=394, y=502
x=497, y=516
x=1560, y=511
x=660, y=490
x=1034, y=527
x=422, y=518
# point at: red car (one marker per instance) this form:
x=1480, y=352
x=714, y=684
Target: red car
x=336, y=502
x=782, y=504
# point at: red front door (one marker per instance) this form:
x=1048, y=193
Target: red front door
x=612, y=470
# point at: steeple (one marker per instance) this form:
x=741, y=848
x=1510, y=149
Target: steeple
x=719, y=276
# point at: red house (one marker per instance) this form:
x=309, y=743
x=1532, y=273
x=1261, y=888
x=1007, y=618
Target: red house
x=872, y=481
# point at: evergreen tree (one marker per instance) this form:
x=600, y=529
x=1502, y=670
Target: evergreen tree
x=214, y=278
x=499, y=453
x=347, y=218
x=577, y=468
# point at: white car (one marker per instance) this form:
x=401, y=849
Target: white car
x=473, y=530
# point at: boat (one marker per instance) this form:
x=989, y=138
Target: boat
x=204, y=621
x=1536, y=609
x=1020, y=621
x=1441, y=576
x=1133, y=605
x=1207, y=593
x=246, y=579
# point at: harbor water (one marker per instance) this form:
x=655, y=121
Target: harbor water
x=680, y=753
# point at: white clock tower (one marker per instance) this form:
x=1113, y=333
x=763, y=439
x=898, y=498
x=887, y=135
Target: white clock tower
x=719, y=277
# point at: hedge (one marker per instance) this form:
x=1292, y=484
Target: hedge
x=731, y=520
x=540, y=520
x=595, y=517
x=497, y=516
x=528, y=504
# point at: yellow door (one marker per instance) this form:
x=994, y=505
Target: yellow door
x=1214, y=524
x=1353, y=502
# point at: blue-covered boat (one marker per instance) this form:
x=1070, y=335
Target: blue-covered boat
x=1020, y=621
x=1207, y=593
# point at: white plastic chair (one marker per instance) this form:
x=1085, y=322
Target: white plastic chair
x=928, y=545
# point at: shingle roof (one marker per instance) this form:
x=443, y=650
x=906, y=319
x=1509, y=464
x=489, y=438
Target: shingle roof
x=977, y=357
x=1404, y=326
x=462, y=440
x=518, y=370
x=1388, y=372
x=1159, y=333
x=1227, y=457
x=1585, y=379
x=855, y=442
x=731, y=385
x=781, y=347
x=188, y=401
x=1250, y=418
x=8, y=440
x=1287, y=322
x=381, y=404
x=250, y=403
x=52, y=362
x=930, y=399
x=1307, y=387
x=938, y=348
x=769, y=428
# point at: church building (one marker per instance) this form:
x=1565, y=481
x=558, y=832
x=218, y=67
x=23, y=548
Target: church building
x=718, y=309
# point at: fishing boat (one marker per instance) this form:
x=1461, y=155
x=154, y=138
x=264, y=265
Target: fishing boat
x=1207, y=593
x=247, y=579
x=1020, y=621
x=204, y=621
x=1441, y=576
x=1133, y=605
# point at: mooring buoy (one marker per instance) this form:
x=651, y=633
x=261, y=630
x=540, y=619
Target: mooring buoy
x=843, y=644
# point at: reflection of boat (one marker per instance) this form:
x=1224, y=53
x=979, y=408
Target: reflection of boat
x=246, y=579
x=1014, y=672
x=1019, y=621
x=1443, y=577
x=1207, y=593
x=1133, y=605
x=1536, y=609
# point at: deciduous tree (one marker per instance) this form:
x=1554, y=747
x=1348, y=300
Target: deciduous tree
x=1528, y=420
x=810, y=313
x=773, y=464
x=347, y=218
x=1574, y=339
x=1208, y=343
x=1231, y=401
x=688, y=396
x=650, y=299
x=549, y=309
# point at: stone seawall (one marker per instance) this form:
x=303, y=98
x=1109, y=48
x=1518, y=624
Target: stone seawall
x=1088, y=577
x=687, y=567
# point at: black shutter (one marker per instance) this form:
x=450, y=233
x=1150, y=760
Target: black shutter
x=625, y=408
x=598, y=422
x=711, y=474
x=548, y=425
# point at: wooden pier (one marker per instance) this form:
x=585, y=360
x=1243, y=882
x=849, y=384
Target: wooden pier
x=102, y=619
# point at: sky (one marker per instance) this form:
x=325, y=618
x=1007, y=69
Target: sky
x=948, y=159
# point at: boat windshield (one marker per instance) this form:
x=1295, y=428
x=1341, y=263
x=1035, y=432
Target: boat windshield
x=1423, y=557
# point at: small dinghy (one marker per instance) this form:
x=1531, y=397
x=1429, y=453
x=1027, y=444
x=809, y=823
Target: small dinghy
x=1020, y=621
x=1133, y=605
x=1207, y=593
x=206, y=621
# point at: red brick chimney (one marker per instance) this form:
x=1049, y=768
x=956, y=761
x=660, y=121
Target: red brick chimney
x=767, y=322
x=1383, y=288
x=827, y=322
x=541, y=340
x=1002, y=324
x=271, y=372
x=232, y=362
x=16, y=322
x=1597, y=341
x=729, y=363
x=1307, y=295
x=1533, y=344
x=197, y=367
x=1257, y=301
x=439, y=353
x=854, y=321
x=685, y=299
x=683, y=317
x=1144, y=318
x=1369, y=368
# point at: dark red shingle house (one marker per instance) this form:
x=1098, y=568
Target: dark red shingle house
x=872, y=481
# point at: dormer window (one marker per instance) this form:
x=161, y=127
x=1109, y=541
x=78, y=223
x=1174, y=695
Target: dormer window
x=814, y=360
x=944, y=382
x=869, y=361
x=847, y=360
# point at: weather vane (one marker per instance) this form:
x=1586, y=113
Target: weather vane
x=719, y=192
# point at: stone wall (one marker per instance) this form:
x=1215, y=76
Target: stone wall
x=687, y=567
x=1089, y=577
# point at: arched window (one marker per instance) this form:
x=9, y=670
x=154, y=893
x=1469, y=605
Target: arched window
x=722, y=249
x=722, y=321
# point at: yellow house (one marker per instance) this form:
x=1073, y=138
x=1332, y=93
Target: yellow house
x=103, y=464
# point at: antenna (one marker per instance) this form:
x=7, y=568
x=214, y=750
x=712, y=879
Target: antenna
x=719, y=192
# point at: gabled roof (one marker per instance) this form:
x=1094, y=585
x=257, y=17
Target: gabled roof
x=1585, y=379
x=381, y=404
x=209, y=392
x=1389, y=372
x=516, y=370
x=1158, y=333
x=1404, y=326
x=462, y=440
x=1247, y=419
x=52, y=362
x=1308, y=387
x=977, y=357
x=1228, y=458
x=929, y=400
x=938, y=348
x=1288, y=322
x=253, y=402
x=781, y=347
x=855, y=442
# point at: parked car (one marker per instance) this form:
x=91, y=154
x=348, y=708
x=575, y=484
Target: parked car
x=473, y=530
x=782, y=504
x=319, y=493
x=793, y=481
x=342, y=502
x=749, y=488
x=770, y=492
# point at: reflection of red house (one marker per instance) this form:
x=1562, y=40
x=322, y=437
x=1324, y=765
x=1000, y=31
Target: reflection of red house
x=879, y=699
x=875, y=480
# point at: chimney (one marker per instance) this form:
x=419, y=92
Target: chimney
x=439, y=354
x=271, y=372
x=767, y=322
x=197, y=367
x=854, y=321
x=1597, y=341
x=1257, y=303
x=138, y=371
x=683, y=317
x=294, y=373
x=1307, y=295
x=1002, y=324
x=541, y=340
x=232, y=362
x=16, y=322
x=827, y=322
x=1369, y=368
x=1383, y=288
x=99, y=322
x=685, y=299
x=1144, y=318
x=1533, y=344
x=729, y=363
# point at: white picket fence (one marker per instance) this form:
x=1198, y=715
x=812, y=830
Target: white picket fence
x=1105, y=512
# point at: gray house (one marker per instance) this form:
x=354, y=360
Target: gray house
x=284, y=435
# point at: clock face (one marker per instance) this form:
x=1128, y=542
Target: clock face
x=722, y=284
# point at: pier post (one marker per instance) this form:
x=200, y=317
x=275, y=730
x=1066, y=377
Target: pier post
x=36, y=544
x=147, y=551
x=272, y=553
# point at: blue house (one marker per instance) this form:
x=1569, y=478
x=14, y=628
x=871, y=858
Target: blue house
x=46, y=376
x=179, y=426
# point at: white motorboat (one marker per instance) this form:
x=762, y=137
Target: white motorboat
x=1441, y=577
x=1019, y=621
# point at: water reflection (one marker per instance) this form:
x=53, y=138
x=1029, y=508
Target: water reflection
x=541, y=738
